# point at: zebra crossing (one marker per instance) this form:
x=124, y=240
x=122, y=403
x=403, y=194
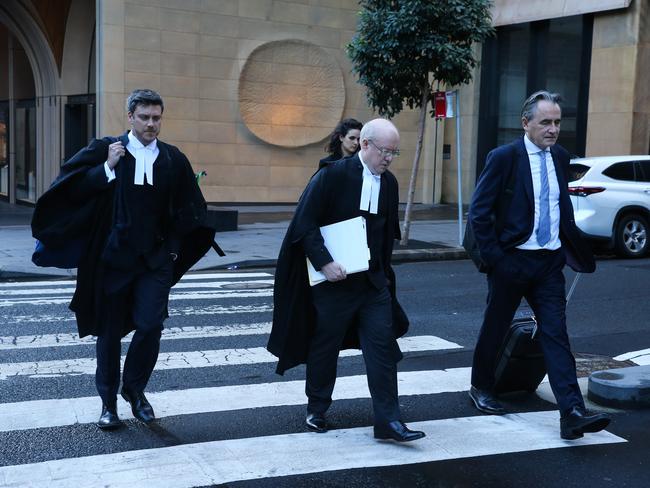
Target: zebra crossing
x=213, y=362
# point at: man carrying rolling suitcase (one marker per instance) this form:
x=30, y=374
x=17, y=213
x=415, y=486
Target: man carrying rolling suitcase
x=524, y=245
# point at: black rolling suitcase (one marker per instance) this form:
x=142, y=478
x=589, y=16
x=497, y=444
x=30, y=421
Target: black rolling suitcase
x=520, y=362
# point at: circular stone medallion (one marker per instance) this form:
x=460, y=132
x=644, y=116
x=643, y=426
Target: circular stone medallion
x=291, y=93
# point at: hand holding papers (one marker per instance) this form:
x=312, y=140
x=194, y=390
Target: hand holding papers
x=347, y=242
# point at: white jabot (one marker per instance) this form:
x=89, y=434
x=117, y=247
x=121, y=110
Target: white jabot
x=536, y=168
x=369, y=190
x=144, y=156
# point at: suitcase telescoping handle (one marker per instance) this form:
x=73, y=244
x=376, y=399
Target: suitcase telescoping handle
x=573, y=286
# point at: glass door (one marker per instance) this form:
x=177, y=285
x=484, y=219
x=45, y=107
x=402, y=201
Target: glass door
x=25, y=136
x=4, y=150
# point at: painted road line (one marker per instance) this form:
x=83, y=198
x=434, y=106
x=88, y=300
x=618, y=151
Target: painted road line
x=187, y=277
x=10, y=319
x=208, y=295
x=196, y=359
x=38, y=414
x=228, y=285
x=641, y=357
x=228, y=461
x=12, y=343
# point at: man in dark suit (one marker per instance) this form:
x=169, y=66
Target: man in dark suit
x=135, y=203
x=311, y=325
x=525, y=259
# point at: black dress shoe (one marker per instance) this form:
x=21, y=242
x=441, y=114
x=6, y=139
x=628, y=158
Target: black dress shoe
x=397, y=431
x=109, y=420
x=140, y=406
x=486, y=402
x=316, y=422
x=575, y=423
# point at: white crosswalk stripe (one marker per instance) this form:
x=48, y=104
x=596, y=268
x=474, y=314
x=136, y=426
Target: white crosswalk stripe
x=195, y=359
x=230, y=311
x=10, y=319
x=291, y=454
x=188, y=332
x=68, y=411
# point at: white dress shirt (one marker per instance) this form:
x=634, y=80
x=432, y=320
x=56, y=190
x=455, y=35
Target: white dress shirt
x=369, y=190
x=535, y=160
x=145, y=157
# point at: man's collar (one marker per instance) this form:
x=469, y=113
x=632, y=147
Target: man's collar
x=136, y=144
x=365, y=166
x=531, y=147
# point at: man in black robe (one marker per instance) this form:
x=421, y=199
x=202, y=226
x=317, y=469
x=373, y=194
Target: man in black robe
x=134, y=205
x=311, y=325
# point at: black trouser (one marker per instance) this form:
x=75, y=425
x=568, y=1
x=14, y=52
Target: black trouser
x=147, y=291
x=537, y=276
x=339, y=305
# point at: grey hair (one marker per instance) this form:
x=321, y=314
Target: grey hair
x=530, y=105
x=143, y=97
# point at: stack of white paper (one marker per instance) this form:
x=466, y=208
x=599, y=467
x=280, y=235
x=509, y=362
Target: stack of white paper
x=347, y=242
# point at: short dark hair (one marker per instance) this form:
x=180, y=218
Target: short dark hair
x=333, y=145
x=143, y=96
x=529, y=107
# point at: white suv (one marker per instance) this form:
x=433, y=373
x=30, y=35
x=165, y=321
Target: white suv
x=611, y=201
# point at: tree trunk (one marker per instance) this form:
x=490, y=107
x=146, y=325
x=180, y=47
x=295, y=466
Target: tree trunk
x=416, y=163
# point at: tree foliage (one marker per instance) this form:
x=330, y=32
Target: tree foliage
x=399, y=44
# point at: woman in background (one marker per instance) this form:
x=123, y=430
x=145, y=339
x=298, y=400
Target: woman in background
x=343, y=142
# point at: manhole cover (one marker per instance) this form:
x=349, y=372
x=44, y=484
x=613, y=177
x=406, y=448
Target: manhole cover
x=247, y=286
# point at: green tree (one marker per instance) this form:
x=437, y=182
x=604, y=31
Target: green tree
x=403, y=47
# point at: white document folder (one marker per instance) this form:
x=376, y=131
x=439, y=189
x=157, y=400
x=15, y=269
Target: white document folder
x=347, y=242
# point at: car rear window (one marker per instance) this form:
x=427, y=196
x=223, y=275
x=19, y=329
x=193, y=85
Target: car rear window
x=643, y=173
x=577, y=171
x=621, y=171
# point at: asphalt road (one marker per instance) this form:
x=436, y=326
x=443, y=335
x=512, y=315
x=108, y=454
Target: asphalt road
x=226, y=419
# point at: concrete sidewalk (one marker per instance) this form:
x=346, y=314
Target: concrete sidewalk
x=256, y=242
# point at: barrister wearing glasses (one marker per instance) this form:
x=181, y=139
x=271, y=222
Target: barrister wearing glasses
x=526, y=258
x=136, y=203
x=311, y=325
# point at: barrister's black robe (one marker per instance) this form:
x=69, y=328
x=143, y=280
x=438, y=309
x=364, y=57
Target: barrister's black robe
x=332, y=195
x=69, y=211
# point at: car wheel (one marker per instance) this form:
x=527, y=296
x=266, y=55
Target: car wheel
x=632, y=236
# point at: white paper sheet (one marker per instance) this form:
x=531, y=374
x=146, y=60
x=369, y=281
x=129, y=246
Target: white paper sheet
x=347, y=242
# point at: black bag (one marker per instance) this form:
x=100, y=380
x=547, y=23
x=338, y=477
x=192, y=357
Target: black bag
x=520, y=361
x=469, y=241
x=471, y=246
x=520, y=364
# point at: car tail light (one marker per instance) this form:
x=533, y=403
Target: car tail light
x=585, y=191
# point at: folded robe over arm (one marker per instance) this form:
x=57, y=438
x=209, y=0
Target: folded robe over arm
x=69, y=210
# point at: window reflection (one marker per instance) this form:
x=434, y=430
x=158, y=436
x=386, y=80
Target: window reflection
x=4, y=155
x=551, y=54
x=25, y=133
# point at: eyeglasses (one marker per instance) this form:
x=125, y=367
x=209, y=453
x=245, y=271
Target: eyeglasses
x=385, y=152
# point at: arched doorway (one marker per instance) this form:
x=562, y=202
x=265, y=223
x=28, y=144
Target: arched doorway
x=29, y=105
x=17, y=121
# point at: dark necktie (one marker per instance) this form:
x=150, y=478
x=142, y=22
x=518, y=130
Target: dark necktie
x=544, y=226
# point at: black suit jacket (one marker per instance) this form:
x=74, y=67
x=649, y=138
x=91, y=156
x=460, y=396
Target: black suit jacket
x=332, y=195
x=518, y=223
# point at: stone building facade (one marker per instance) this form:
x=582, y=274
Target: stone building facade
x=253, y=87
